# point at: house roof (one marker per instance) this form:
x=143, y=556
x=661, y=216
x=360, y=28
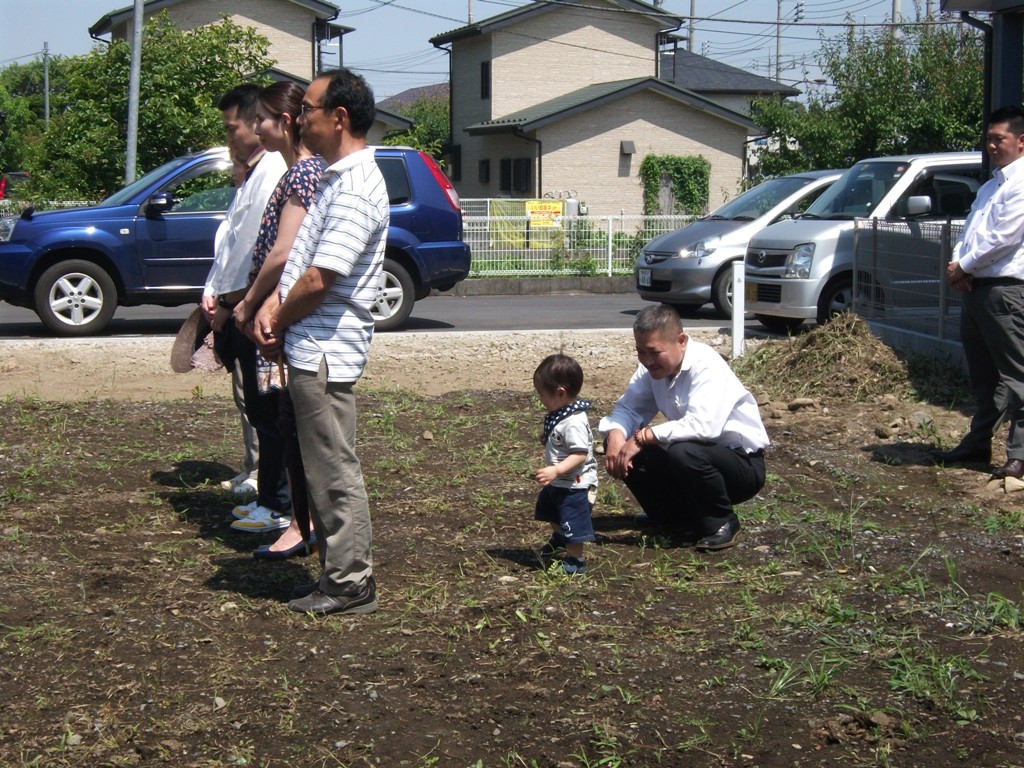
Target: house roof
x=493, y=23
x=402, y=100
x=322, y=10
x=598, y=94
x=703, y=75
x=393, y=121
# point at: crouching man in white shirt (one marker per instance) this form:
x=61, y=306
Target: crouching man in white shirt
x=688, y=471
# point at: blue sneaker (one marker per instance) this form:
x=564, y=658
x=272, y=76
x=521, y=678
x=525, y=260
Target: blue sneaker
x=574, y=566
x=553, y=545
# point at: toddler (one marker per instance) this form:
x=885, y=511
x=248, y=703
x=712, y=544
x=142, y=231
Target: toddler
x=569, y=476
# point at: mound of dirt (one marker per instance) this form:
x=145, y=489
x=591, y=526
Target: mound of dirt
x=839, y=361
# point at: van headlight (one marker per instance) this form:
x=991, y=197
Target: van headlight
x=798, y=265
x=705, y=248
x=7, y=228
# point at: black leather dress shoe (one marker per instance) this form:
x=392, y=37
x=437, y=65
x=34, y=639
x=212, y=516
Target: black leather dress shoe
x=1012, y=468
x=323, y=604
x=305, y=590
x=962, y=455
x=723, y=538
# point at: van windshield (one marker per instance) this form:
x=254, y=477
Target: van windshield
x=758, y=201
x=858, y=191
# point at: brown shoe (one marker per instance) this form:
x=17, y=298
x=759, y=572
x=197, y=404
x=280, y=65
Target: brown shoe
x=1012, y=468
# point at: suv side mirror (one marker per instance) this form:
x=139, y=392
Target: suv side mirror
x=159, y=203
x=918, y=205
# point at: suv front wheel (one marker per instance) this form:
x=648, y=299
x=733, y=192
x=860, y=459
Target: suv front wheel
x=75, y=298
x=395, y=297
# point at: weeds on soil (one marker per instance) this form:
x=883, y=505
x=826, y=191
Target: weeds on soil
x=868, y=616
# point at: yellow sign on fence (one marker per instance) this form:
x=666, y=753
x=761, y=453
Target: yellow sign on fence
x=544, y=213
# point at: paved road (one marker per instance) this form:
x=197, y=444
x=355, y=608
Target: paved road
x=433, y=314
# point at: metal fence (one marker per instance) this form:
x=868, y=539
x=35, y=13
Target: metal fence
x=528, y=246
x=900, y=280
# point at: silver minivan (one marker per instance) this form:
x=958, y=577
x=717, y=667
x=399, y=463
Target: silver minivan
x=803, y=269
x=692, y=266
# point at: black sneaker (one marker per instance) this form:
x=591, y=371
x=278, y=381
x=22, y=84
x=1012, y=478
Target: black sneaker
x=323, y=604
x=553, y=545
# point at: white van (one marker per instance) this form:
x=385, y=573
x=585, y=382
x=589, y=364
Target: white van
x=802, y=269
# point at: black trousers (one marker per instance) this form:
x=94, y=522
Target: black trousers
x=262, y=411
x=692, y=486
x=992, y=332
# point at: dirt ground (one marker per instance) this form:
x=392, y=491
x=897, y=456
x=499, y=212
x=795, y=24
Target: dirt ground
x=869, y=616
x=426, y=363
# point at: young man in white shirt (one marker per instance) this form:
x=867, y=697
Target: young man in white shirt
x=988, y=268
x=688, y=471
x=226, y=285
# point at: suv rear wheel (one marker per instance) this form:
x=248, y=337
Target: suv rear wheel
x=75, y=298
x=395, y=297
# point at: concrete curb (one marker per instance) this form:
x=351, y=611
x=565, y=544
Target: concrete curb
x=537, y=286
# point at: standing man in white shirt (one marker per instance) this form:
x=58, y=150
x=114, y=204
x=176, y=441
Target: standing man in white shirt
x=688, y=471
x=322, y=319
x=227, y=282
x=988, y=267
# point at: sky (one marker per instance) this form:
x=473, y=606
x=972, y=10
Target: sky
x=390, y=45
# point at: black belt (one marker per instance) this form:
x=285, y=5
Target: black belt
x=984, y=281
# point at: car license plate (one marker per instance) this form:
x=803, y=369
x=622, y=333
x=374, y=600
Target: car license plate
x=750, y=291
x=643, y=278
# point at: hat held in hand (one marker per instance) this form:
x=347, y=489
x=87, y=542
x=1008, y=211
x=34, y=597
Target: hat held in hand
x=193, y=346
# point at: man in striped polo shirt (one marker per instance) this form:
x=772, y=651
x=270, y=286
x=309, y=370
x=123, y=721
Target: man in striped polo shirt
x=322, y=321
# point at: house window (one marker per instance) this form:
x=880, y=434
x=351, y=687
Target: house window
x=484, y=172
x=522, y=168
x=515, y=175
x=505, y=175
x=457, y=162
x=485, y=79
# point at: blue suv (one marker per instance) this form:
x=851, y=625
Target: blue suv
x=152, y=243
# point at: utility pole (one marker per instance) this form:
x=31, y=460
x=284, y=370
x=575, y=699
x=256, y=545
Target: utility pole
x=798, y=16
x=134, y=77
x=778, y=40
x=46, y=86
x=469, y=11
x=689, y=35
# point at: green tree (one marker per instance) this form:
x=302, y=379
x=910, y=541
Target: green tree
x=914, y=88
x=82, y=155
x=430, y=126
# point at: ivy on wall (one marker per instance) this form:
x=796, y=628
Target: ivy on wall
x=689, y=177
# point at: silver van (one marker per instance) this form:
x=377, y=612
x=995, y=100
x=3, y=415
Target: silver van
x=803, y=269
x=692, y=266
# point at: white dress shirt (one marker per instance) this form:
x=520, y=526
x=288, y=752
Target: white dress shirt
x=704, y=401
x=232, y=257
x=992, y=243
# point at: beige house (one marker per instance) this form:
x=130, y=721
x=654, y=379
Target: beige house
x=295, y=28
x=551, y=98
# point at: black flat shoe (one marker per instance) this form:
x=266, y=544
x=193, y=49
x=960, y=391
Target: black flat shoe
x=723, y=538
x=962, y=455
x=299, y=550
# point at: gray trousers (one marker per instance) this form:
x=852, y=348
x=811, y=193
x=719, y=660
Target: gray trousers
x=325, y=419
x=251, y=457
x=992, y=332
